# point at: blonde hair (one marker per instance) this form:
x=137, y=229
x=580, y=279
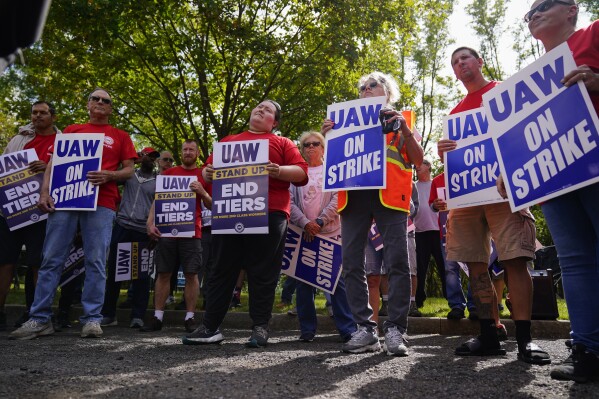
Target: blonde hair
x=306, y=135
x=387, y=81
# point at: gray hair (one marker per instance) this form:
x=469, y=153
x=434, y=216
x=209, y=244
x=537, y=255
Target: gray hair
x=387, y=81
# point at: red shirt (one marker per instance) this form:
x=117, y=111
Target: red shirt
x=584, y=44
x=181, y=171
x=473, y=100
x=42, y=146
x=118, y=147
x=281, y=151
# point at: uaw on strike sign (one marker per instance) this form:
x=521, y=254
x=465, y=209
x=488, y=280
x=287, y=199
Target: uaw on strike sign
x=20, y=189
x=546, y=135
x=75, y=155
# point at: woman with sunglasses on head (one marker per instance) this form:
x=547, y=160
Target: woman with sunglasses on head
x=316, y=212
x=573, y=218
x=389, y=207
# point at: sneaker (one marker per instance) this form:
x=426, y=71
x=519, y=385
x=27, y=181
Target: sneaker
x=292, y=312
x=3, y=325
x=109, y=322
x=91, y=329
x=154, y=325
x=472, y=315
x=203, y=335
x=259, y=337
x=126, y=305
x=455, y=314
x=395, y=343
x=580, y=366
x=136, y=323
x=307, y=337
x=364, y=339
x=501, y=333
x=20, y=321
x=235, y=302
x=170, y=300
x=414, y=312
x=383, y=309
x=32, y=329
x=190, y=325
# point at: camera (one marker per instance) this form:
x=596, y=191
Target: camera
x=388, y=127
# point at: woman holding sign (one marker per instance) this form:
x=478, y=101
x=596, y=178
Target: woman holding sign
x=390, y=208
x=260, y=254
x=316, y=212
x=573, y=218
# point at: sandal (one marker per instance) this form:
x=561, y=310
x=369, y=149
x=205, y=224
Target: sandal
x=534, y=355
x=475, y=347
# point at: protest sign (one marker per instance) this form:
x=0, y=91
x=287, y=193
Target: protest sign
x=74, y=155
x=375, y=237
x=317, y=262
x=471, y=170
x=175, y=206
x=545, y=134
x=20, y=189
x=74, y=265
x=355, y=151
x=240, y=187
x=133, y=261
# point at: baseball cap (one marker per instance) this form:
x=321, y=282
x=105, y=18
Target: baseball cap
x=148, y=151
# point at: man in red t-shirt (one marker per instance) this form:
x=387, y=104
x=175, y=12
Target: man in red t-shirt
x=468, y=240
x=181, y=251
x=96, y=226
x=39, y=135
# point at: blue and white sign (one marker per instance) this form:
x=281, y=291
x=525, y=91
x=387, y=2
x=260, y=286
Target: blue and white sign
x=175, y=206
x=20, y=189
x=355, y=151
x=317, y=262
x=545, y=134
x=240, y=187
x=133, y=261
x=75, y=155
x=471, y=170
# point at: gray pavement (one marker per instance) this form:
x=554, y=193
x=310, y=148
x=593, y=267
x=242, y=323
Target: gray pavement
x=125, y=363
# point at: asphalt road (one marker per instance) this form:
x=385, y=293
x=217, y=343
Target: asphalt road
x=128, y=364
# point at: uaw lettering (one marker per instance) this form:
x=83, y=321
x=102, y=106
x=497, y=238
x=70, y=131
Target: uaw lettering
x=75, y=155
x=134, y=261
x=19, y=190
x=547, y=135
x=174, y=206
x=317, y=263
x=240, y=188
x=354, y=154
x=471, y=170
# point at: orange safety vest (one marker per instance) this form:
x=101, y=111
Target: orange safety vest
x=398, y=193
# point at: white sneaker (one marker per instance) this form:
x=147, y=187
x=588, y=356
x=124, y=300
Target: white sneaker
x=395, y=343
x=91, y=329
x=364, y=339
x=32, y=329
x=136, y=323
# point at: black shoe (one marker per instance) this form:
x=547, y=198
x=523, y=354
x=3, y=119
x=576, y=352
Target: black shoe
x=306, y=337
x=477, y=347
x=235, y=302
x=383, y=311
x=153, y=325
x=259, y=337
x=534, y=355
x=472, y=315
x=190, y=325
x=24, y=317
x=62, y=320
x=414, y=312
x=202, y=336
x=126, y=305
x=455, y=314
x=580, y=366
x=3, y=325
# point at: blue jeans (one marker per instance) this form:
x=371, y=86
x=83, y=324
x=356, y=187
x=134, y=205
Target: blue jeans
x=573, y=220
x=96, y=228
x=455, y=294
x=306, y=311
x=288, y=288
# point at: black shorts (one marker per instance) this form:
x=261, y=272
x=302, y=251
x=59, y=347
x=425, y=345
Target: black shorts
x=174, y=252
x=11, y=243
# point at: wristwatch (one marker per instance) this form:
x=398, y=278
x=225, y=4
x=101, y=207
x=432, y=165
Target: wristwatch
x=319, y=222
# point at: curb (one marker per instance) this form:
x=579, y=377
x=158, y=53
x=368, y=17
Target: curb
x=544, y=329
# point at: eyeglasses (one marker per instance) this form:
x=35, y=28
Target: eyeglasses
x=311, y=144
x=103, y=100
x=544, y=6
x=171, y=160
x=372, y=85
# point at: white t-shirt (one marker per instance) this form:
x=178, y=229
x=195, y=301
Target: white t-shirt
x=426, y=219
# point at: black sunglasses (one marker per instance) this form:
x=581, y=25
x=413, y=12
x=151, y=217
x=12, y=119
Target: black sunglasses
x=311, y=144
x=171, y=160
x=372, y=85
x=544, y=6
x=103, y=100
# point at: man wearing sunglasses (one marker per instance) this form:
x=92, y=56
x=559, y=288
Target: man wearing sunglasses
x=96, y=226
x=572, y=218
x=165, y=161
